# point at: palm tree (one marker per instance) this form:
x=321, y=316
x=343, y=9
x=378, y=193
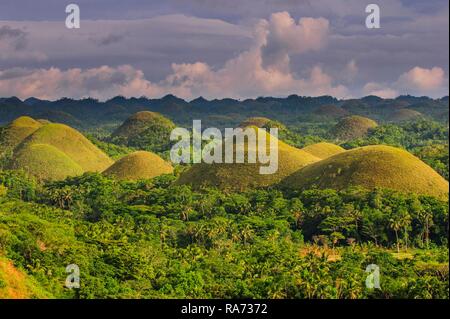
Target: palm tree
x=246, y=234
x=405, y=220
x=395, y=225
x=426, y=219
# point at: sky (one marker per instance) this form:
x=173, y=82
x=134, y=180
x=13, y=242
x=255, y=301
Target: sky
x=223, y=48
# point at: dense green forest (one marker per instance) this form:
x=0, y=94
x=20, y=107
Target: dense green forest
x=157, y=238
x=293, y=110
x=148, y=239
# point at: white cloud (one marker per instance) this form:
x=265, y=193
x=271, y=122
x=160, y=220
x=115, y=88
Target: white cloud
x=351, y=70
x=380, y=90
x=264, y=69
x=422, y=80
x=54, y=83
x=416, y=81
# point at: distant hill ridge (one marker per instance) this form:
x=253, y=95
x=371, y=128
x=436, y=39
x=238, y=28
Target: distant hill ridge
x=90, y=112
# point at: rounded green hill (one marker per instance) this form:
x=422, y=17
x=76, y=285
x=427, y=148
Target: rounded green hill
x=370, y=167
x=330, y=111
x=72, y=143
x=351, y=127
x=323, y=150
x=242, y=176
x=255, y=121
x=261, y=122
x=145, y=130
x=17, y=131
x=139, y=165
x=404, y=115
x=45, y=162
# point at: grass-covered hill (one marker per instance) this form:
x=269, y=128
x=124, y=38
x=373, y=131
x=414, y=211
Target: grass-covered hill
x=145, y=130
x=19, y=129
x=352, y=127
x=139, y=165
x=255, y=121
x=17, y=284
x=45, y=162
x=72, y=143
x=48, y=151
x=242, y=176
x=323, y=150
x=330, y=111
x=370, y=167
x=401, y=115
x=263, y=122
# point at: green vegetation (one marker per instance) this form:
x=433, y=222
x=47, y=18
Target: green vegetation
x=262, y=122
x=14, y=133
x=45, y=162
x=138, y=228
x=370, y=167
x=329, y=111
x=323, y=150
x=402, y=115
x=426, y=139
x=15, y=284
x=112, y=150
x=238, y=177
x=139, y=165
x=72, y=143
x=150, y=239
x=146, y=131
x=353, y=127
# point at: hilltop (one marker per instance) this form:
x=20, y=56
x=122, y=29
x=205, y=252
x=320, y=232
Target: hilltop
x=405, y=115
x=45, y=162
x=331, y=111
x=242, y=176
x=145, y=130
x=370, y=167
x=262, y=122
x=72, y=143
x=352, y=127
x=139, y=165
x=19, y=129
x=323, y=150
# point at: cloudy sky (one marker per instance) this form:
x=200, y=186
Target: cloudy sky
x=223, y=48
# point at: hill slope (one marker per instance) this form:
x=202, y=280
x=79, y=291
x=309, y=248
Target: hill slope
x=241, y=176
x=323, y=150
x=352, y=127
x=72, y=143
x=145, y=130
x=330, y=111
x=19, y=129
x=45, y=162
x=16, y=284
x=370, y=167
x=262, y=122
x=139, y=165
x=404, y=115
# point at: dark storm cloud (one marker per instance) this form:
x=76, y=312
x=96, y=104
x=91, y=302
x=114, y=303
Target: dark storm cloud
x=110, y=39
x=16, y=36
